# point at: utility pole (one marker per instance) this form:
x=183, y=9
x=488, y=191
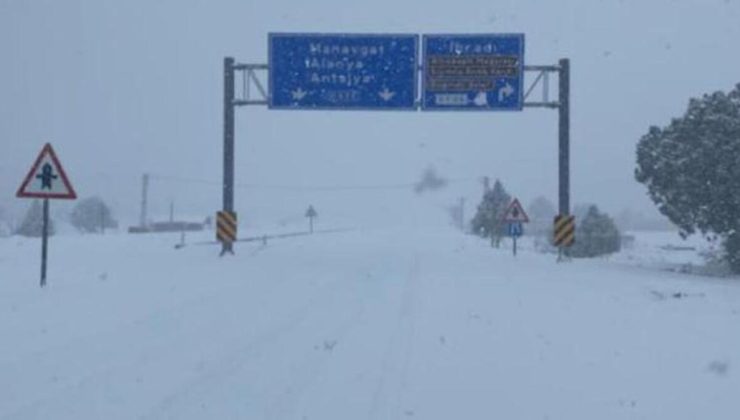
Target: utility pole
x=462, y=214
x=144, y=194
x=228, y=182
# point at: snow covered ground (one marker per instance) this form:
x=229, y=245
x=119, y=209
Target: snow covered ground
x=367, y=324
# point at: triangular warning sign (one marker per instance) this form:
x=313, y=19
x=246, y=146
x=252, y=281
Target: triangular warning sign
x=515, y=213
x=46, y=179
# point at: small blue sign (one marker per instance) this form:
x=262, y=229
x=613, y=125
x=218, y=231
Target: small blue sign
x=343, y=71
x=473, y=72
x=516, y=229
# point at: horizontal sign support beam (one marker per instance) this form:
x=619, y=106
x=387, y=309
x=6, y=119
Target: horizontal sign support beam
x=553, y=105
x=549, y=68
x=250, y=102
x=251, y=67
x=262, y=66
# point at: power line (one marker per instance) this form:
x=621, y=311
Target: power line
x=346, y=187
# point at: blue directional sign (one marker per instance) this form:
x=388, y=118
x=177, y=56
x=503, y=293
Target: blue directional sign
x=343, y=71
x=473, y=72
x=516, y=229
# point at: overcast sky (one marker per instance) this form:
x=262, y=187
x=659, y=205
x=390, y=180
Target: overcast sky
x=126, y=87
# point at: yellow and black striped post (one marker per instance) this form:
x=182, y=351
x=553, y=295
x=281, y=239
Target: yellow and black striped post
x=564, y=234
x=226, y=223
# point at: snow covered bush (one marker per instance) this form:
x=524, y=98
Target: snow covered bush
x=596, y=234
x=92, y=215
x=692, y=169
x=33, y=221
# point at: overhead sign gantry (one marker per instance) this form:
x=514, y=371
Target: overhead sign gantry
x=482, y=72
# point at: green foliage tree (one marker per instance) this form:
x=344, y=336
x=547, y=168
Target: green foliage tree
x=488, y=219
x=596, y=234
x=92, y=215
x=692, y=169
x=33, y=222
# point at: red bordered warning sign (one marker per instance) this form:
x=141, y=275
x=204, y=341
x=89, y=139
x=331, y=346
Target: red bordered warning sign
x=47, y=178
x=515, y=213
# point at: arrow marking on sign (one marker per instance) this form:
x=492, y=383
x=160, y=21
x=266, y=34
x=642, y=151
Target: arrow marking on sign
x=386, y=94
x=299, y=94
x=505, y=92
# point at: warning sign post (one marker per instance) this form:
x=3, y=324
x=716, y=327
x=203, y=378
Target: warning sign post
x=46, y=180
x=515, y=216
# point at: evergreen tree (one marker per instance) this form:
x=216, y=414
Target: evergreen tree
x=33, y=222
x=488, y=219
x=692, y=169
x=596, y=234
x=92, y=215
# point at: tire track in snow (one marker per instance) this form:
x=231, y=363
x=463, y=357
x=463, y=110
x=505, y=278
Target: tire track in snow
x=233, y=362
x=387, y=400
x=285, y=404
x=107, y=336
x=154, y=351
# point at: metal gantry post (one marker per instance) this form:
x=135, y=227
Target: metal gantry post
x=564, y=137
x=563, y=107
x=564, y=145
x=228, y=183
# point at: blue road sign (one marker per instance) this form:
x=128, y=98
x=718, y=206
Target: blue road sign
x=473, y=72
x=516, y=229
x=343, y=71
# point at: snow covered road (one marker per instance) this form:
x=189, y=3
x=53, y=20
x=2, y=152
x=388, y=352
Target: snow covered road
x=380, y=324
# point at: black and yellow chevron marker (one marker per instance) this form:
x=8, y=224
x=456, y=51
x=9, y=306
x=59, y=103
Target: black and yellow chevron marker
x=226, y=226
x=565, y=230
